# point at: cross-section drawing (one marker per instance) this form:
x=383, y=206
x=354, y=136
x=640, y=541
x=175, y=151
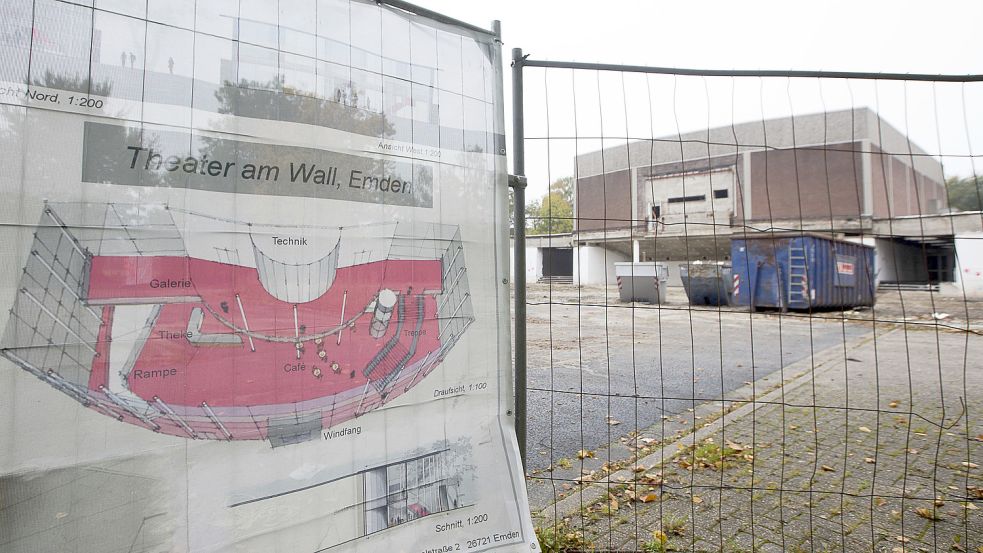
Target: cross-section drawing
x=429, y=482
x=210, y=328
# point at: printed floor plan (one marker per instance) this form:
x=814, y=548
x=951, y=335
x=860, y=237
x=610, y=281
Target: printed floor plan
x=273, y=333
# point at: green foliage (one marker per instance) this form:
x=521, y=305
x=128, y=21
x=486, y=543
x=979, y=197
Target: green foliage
x=673, y=525
x=710, y=455
x=564, y=187
x=965, y=193
x=553, y=213
x=345, y=110
x=658, y=544
x=559, y=538
x=654, y=546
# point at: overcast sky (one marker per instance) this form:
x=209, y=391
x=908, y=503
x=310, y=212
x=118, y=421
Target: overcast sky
x=857, y=35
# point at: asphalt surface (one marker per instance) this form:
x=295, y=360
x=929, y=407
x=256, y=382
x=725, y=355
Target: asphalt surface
x=600, y=369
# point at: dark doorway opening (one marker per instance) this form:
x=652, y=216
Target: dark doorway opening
x=557, y=262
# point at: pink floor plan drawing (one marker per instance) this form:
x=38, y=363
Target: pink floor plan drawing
x=217, y=329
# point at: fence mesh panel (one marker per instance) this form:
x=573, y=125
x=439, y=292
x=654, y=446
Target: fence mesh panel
x=754, y=311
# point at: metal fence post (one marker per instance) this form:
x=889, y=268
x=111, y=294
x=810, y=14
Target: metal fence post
x=519, y=247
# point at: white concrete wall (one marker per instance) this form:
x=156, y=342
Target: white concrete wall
x=969, y=263
x=659, y=191
x=534, y=263
x=594, y=265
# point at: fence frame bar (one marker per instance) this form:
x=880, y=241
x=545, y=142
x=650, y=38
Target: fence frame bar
x=746, y=72
x=436, y=16
x=518, y=185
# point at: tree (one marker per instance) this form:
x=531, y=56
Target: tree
x=344, y=110
x=564, y=186
x=553, y=214
x=965, y=193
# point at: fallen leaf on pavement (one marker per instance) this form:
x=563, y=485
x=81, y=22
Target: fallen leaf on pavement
x=697, y=499
x=651, y=479
x=926, y=513
x=827, y=468
x=902, y=539
x=870, y=460
x=864, y=429
x=583, y=454
x=893, y=404
x=970, y=465
x=648, y=498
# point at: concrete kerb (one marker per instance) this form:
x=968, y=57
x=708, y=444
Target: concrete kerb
x=803, y=372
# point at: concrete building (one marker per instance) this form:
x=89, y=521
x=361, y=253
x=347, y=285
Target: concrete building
x=681, y=198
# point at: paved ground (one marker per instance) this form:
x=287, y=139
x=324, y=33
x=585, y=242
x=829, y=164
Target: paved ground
x=847, y=475
x=598, y=371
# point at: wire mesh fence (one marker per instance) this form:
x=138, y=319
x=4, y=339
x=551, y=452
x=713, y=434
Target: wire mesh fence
x=753, y=311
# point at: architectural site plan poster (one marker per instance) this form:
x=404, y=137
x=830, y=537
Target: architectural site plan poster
x=252, y=281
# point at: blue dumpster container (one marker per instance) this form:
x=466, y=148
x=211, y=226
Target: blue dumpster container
x=706, y=283
x=801, y=271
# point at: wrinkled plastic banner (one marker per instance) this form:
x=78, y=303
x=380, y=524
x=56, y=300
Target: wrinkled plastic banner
x=253, y=281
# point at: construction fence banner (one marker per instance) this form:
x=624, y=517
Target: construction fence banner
x=253, y=281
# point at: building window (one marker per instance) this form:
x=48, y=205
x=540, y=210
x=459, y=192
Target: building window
x=681, y=199
x=720, y=194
